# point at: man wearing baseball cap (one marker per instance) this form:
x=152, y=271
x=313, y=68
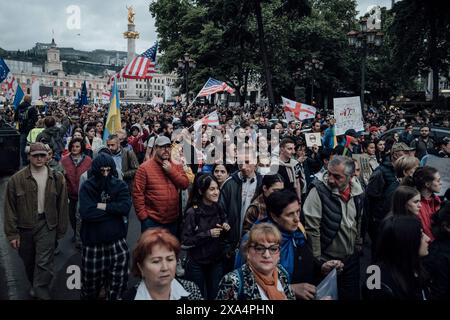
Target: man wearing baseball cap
x=156, y=186
x=36, y=215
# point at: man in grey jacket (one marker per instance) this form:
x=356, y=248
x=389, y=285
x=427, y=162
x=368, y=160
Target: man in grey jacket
x=333, y=212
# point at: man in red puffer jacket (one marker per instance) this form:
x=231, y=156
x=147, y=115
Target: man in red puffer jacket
x=156, y=186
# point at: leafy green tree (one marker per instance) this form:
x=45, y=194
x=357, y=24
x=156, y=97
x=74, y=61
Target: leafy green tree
x=421, y=39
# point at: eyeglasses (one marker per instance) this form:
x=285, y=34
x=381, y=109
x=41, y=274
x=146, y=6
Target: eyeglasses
x=274, y=249
x=105, y=169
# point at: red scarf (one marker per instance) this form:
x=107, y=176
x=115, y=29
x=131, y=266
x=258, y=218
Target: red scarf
x=346, y=194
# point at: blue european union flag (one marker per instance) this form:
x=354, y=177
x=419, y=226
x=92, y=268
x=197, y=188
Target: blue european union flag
x=83, y=99
x=4, y=70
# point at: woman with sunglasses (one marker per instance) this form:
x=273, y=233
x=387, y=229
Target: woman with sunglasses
x=261, y=277
x=283, y=209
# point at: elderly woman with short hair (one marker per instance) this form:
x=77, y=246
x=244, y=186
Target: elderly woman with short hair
x=261, y=277
x=154, y=261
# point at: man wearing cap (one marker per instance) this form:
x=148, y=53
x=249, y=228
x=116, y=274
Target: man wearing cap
x=36, y=215
x=156, y=186
x=380, y=188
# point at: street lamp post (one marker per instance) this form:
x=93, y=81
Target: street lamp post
x=186, y=64
x=311, y=67
x=364, y=40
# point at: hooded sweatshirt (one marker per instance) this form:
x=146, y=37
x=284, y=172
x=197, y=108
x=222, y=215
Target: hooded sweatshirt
x=103, y=226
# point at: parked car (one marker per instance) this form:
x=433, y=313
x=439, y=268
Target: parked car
x=436, y=132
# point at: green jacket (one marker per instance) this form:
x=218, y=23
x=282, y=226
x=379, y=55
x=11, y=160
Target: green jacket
x=21, y=203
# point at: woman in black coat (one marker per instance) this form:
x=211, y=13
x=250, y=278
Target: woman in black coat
x=400, y=248
x=438, y=261
x=204, y=224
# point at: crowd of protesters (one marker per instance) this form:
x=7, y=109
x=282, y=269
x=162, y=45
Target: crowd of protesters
x=244, y=210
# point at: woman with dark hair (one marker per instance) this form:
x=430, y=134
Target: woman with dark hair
x=155, y=262
x=204, y=224
x=400, y=247
x=428, y=181
x=93, y=143
x=221, y=172
x=438, y=261
x=406, y=201
x=75, y=164
x=380, y=150
x=257, y=209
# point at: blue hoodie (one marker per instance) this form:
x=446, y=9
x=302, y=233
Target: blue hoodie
x=103, y=226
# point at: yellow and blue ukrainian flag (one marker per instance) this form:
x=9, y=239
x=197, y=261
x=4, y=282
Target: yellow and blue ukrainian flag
x=113, y=122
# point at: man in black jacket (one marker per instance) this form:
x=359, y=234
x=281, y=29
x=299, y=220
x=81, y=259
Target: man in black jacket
x=235, y=197
x=381, y=186
x=27, y=116
x=105, y=202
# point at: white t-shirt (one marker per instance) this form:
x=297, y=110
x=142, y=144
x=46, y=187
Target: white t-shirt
x=248, y=191
x=41, y=177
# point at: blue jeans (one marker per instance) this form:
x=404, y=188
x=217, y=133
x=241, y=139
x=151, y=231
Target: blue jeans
x=206, y=276
x=150, y=223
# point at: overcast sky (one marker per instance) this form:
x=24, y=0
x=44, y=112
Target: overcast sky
x=102, y=23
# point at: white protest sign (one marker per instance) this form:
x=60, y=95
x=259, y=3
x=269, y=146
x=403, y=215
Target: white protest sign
x=443, y=166
x=313, y=139
x=348, y=114
x=157, y=100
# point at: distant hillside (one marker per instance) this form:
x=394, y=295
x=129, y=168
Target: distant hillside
x=74, y=61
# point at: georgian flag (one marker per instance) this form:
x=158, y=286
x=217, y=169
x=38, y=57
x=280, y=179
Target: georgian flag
x=294, y=110
x=211, y=119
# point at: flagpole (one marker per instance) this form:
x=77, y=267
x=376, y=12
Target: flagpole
x=198, y=93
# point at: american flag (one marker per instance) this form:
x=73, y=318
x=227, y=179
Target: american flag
x=212, y=86
x=141, y=67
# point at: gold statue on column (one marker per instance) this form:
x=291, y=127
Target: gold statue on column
x=131, y=34
x=131, y=14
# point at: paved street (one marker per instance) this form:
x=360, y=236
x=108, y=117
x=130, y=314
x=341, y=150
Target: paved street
x=13, y=282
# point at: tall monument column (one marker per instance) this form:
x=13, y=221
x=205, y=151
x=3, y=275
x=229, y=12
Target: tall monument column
x=131, y=35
